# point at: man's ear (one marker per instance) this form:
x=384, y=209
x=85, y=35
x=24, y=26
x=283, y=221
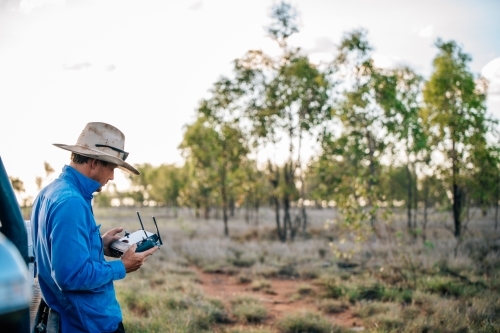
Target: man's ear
x=93, y=163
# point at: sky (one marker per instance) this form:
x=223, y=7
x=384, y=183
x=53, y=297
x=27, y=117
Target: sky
x=143, y=66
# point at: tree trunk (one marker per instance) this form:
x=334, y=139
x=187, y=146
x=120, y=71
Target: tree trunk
x=247, y=211
x=426, y=206
x=281, y=234
x=232, y=206
x=257, y=206
x=409, y=199
x=496, y=201
x=457, y=195
x=274, y=198
x=197, y=210
x=371, y=152
x=303, y=218
x=224, y=200
x=287, y=220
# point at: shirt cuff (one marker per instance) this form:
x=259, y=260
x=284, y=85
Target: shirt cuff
x=118, y=269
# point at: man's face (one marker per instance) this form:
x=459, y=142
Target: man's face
x=103, y=174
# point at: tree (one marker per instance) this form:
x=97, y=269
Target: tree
x=361, y=143
x=284, y=100
x=167, y=185
x=216, y=150
x=141, y=184
x=398, y=92
x=457, y=117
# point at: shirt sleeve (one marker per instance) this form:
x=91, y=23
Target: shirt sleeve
x=77, y=259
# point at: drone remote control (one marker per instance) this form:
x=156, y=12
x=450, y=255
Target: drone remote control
x=144, y=240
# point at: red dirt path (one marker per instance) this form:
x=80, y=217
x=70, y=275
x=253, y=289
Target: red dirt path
x=278, y=303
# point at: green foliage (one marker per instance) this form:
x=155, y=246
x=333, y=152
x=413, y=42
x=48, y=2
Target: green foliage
x=456, y=114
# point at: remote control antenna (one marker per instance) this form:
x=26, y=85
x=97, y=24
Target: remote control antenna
x=157, y=231
x=142, y=226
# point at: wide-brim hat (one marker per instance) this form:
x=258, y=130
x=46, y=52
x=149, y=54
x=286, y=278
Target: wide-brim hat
x=103, y=142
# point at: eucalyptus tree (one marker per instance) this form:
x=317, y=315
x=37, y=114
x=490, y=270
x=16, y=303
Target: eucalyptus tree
x=215, y=151
x=457, y=118
x=483, y=177
x=254, y=191
x=284, y=99
x=361, y=144
x=169, y=179
x=17, y=185
x=141, y=184
x=399, y=93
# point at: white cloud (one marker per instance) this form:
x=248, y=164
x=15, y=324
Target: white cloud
x=491, y=71
x=424, y=32
x=385, y=61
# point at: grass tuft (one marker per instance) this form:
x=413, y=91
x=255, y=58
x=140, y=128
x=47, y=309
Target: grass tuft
x=248, y=310
x=305, y=322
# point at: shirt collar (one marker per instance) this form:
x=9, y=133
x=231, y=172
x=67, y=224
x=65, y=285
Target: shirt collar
x=86, y=185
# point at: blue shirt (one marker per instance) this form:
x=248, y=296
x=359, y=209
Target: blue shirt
x=74, y=277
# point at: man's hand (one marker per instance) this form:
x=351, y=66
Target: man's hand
x=108, y=238
x=133, y=261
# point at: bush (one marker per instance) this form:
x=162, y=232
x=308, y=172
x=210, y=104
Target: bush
x=371, y=293
x=305, y=289
x=248, y=310
x=445, y=287
x=304, y=322
x=367, y=309
x=330, y=306
x=332, y=290
x=261, y=285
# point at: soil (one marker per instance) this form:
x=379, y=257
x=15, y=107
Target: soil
x=280, y=299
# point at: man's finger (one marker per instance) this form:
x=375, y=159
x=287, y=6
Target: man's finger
x=116, y=230
x=150, y=251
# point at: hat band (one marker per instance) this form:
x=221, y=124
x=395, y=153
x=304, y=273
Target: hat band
x=123, y=157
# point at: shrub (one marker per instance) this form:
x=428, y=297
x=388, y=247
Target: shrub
x=332, y=290
x=445, y=287
x=305, y=322
x=305, y=289
x=248, y=309
x=331, y=306
x=244, y=277
x=385, y=323
x=367, y=309
x=243, y=262
x=261, y=285
x=397, y=295
x=308, y=272
x=288, y=270
x=371, y=293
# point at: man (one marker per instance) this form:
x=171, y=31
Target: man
x=75, y=279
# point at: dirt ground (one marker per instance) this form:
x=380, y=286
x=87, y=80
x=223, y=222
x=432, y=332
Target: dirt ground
x=280, y=299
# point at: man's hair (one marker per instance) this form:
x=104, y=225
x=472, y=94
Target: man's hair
x=80, y=159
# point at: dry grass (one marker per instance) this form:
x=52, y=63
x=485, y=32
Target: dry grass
x=391, y=283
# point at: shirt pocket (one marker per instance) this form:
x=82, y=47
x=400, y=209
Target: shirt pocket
x=96, y=244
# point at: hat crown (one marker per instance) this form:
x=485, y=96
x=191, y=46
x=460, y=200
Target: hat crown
x=104, y=134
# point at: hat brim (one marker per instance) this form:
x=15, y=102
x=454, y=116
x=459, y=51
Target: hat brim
x=93, y=153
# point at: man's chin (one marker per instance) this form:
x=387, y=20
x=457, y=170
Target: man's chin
x=99, y=189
